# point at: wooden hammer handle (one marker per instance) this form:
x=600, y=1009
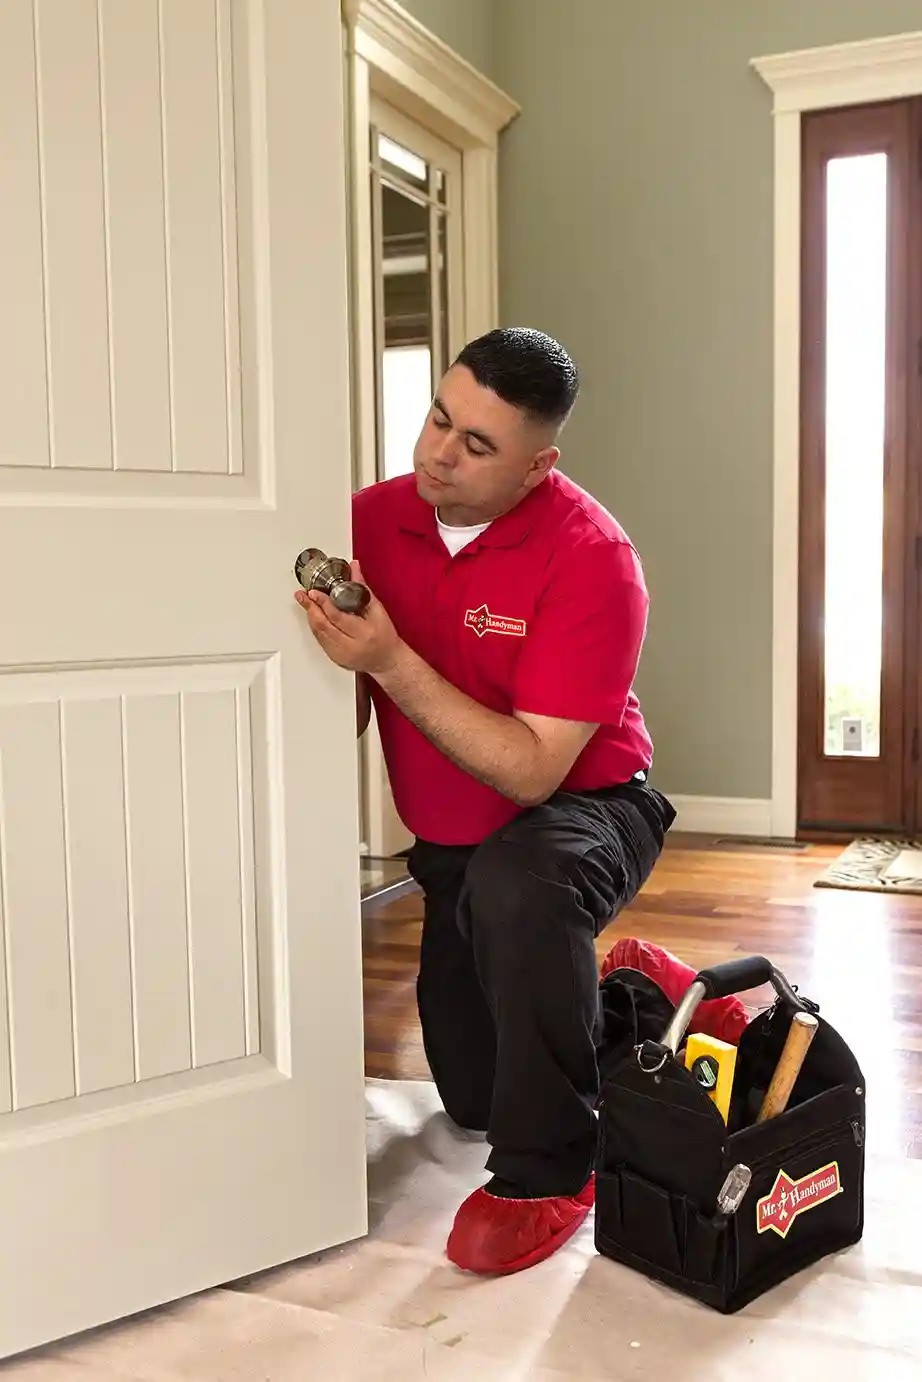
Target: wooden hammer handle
x=803, y=1029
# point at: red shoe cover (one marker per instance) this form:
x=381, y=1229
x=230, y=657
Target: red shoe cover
x=496, y=1236
x=724, y=1018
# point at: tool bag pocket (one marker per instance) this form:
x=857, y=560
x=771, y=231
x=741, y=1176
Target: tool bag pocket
x=806, y=1197
x=662, y=1234
x=665, y=1152
x=661, y=1147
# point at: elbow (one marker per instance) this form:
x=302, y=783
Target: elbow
x=531, y=794
x=535, y=781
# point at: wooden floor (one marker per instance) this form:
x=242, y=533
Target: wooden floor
x=859, y=955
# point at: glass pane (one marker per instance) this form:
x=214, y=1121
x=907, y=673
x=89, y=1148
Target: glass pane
x=407, y=395
x=405, y=265
x=407, y=336
x=856, y=293
x=395, y=159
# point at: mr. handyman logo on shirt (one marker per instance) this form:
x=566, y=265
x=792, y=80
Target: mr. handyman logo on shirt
x=482, y=621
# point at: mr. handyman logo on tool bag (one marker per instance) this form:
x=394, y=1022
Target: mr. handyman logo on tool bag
x=482, y=621
x=791, y=1198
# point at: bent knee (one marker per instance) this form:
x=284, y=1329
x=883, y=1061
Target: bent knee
x=508, y=878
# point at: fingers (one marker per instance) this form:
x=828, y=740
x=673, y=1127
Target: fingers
x=320, y=625
x=312, y=607
x=322, y=612
x=338, y=647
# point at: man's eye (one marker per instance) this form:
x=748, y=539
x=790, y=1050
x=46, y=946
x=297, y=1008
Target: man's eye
x=440, y=423
x=476, y=450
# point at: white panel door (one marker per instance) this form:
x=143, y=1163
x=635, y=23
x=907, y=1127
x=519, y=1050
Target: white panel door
x=181, y=1063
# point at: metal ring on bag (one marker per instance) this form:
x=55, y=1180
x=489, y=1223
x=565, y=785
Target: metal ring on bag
x=650, y=1069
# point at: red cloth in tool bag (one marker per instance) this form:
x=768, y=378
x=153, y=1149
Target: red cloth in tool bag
x=725, y=1018
x=665, y=1151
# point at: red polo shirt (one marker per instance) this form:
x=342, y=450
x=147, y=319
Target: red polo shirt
x=544, y=612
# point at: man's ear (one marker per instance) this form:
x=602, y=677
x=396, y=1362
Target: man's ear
x=543, y=462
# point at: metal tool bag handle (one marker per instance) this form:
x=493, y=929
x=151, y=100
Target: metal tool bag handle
x=720, y=981
x=736, y=976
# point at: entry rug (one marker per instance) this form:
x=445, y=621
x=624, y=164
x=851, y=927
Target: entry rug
x=391, y=1308
x=876, y=865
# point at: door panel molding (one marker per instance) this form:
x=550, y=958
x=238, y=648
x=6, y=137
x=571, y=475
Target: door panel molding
x=813, y=79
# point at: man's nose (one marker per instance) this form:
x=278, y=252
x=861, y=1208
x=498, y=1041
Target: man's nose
x=446, y=452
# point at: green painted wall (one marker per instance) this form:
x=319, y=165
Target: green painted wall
x=636, y=224
x=467, y=26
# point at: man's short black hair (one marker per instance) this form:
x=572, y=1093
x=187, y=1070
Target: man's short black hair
x=526, y=368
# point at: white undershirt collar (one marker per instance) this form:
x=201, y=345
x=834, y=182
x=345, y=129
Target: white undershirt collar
x=457, y=538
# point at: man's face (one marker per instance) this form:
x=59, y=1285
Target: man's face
x=477, y=456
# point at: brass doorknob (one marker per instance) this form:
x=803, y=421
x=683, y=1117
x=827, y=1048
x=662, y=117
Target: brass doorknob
x=314, y=570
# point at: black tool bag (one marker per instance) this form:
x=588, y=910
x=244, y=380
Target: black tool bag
x=665, y=1152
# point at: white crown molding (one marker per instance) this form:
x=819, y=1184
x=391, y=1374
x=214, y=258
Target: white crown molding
x=395, y=42
x=844, y=74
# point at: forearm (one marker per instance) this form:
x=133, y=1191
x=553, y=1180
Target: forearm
x=498, y=750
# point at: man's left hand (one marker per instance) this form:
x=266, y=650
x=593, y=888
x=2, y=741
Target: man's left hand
x=366, y=642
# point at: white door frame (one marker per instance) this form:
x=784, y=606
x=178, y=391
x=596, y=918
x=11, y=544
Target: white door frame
x=390, y=55
x=847, y=74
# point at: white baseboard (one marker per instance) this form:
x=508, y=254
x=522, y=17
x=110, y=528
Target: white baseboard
x=749, y=816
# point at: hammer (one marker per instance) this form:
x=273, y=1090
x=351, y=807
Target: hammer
x=801, y=1032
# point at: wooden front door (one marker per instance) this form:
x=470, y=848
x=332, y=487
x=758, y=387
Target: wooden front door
x=861, y=429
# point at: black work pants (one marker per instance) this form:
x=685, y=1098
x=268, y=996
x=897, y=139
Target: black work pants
x=508, y=988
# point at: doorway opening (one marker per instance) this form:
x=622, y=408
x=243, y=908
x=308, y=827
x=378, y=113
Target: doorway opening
x=416, y=259
x=423, y=131
x=860, y=555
